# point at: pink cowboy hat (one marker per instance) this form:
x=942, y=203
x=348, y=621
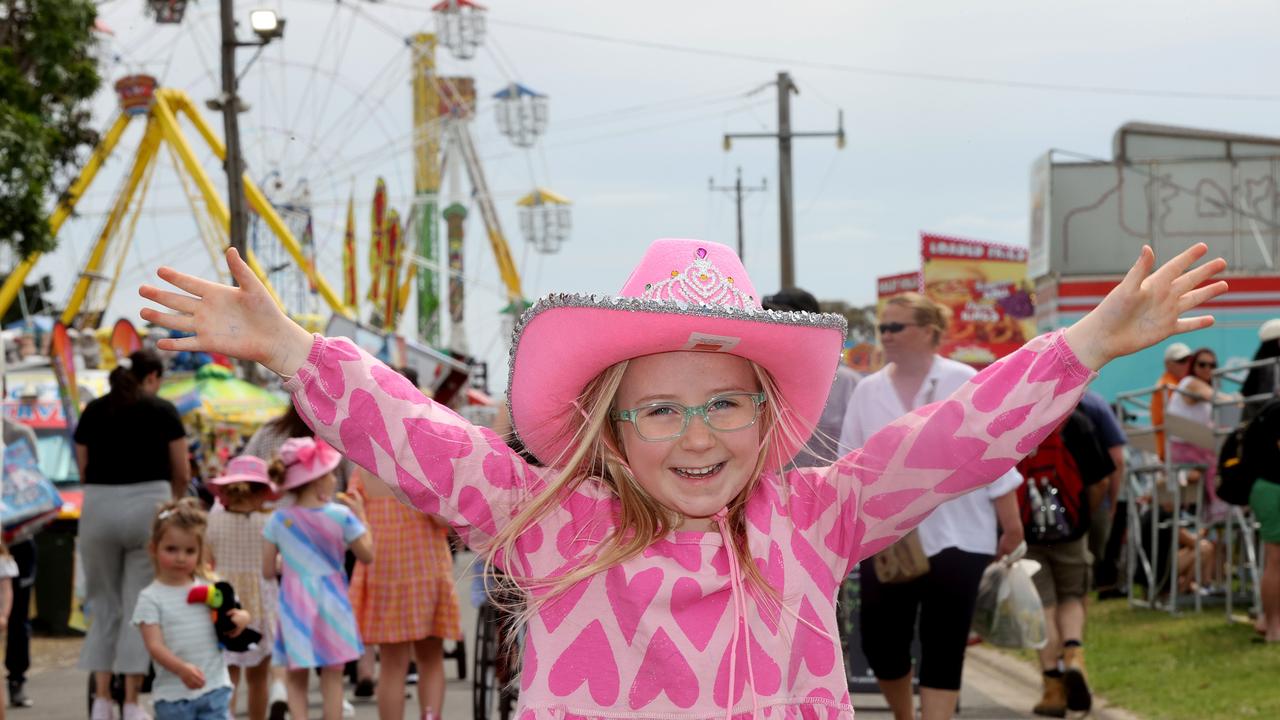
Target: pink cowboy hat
x=243, y=468
x=306, y=459
x=684, y=295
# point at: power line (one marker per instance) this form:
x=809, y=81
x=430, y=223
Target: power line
x=892, y=73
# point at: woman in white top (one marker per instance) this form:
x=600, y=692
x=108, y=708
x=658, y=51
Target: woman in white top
x=1193, y=401
x=960, y=536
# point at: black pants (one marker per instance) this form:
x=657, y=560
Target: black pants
x=17, y=647
x=1106, y=569
x=943, y=598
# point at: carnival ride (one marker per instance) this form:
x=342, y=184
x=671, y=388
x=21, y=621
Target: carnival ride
x=283, y=247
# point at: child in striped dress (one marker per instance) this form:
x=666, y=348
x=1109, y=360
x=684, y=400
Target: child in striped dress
x=234, y=542
x=315, y=626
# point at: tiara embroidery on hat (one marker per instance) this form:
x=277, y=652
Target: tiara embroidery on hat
x=702, y=283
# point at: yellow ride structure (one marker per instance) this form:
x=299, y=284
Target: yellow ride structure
x=162, y=108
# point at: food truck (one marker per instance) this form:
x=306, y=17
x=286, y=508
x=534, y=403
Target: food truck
x=1167, y=187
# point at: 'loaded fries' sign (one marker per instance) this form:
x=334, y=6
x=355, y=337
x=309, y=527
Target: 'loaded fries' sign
x=986, y=288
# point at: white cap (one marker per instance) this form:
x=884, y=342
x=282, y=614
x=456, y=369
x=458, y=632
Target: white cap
x=1270, y=330
x=1177, y=351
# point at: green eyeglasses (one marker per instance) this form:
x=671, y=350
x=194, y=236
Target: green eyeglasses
x=668, y=420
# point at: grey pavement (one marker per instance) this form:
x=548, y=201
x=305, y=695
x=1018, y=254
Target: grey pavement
x=996, y=686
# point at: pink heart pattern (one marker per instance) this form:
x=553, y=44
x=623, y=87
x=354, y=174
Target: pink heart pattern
x=630, y=600
x=663, y=670
x=811, y=649
x=697, y=615
x=588, y=659
x=652, y=637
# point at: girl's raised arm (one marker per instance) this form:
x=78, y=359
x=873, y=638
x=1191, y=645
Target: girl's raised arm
x=430, y=456
x=243, y=322
x=946, y=449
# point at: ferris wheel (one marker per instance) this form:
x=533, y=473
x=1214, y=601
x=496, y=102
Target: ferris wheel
x=324, y=120
x=328, y=111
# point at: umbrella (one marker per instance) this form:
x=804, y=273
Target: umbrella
x=217, y=394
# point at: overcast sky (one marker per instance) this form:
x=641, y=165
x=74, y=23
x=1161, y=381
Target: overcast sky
x=945, y=104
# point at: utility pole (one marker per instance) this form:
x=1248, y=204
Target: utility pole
x=267, y=27
x=786, y=218
x=234, y=161
x=738, y=191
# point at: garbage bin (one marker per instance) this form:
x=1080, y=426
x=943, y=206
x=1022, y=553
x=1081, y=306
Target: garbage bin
x=55, y=579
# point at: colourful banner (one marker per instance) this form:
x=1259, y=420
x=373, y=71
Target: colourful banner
x=377, y=252
x=986, y=288
x=62, y=359
x=454, y=216
x=124, y=340
x=889, y=285
x=349, y=286
x=391, y=264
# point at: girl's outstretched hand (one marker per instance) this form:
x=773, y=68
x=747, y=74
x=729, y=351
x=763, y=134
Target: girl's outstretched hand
x=243, y=322
x=1145, y=308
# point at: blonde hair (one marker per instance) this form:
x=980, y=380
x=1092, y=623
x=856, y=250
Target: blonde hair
x=184, y=514
x=277, y=470
x=925, y=312
x=595, y=455
x=237, y=492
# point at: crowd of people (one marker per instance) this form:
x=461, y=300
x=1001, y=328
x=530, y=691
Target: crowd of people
x=288, y=520
x=676, y=547
x=668, y=500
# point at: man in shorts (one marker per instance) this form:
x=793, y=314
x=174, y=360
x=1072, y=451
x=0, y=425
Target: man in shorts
x=1065, y=565
x=1265, y=502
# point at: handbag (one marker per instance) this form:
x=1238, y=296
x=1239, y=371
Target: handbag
x=902, y=561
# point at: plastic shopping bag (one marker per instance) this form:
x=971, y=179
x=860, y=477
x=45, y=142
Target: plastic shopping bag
x=1009, y=612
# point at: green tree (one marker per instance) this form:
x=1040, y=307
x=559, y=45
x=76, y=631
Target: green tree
x=47, y=75
x=862, y=320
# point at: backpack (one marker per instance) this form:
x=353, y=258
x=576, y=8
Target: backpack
x=1235, y=481
x=1051, y=498
x=1249, y=454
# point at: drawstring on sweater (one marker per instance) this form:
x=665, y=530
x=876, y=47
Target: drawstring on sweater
x=738, y=591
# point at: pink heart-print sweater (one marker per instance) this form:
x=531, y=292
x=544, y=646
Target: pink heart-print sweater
x=673, y=633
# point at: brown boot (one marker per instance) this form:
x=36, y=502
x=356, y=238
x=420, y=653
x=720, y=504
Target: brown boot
x=1054, y=702
x=1074, y=679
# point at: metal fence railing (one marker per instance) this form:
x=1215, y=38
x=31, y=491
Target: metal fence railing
x=1157, y=483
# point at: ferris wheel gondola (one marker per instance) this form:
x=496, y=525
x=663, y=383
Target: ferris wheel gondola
x=521, y=113
x=167, y=12
x=460, y=26
x=545, y=219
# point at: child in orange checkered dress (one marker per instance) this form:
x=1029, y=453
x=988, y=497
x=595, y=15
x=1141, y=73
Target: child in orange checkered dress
x=405, y=602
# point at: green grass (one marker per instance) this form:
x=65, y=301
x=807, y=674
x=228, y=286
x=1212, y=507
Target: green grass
x=1189, y=667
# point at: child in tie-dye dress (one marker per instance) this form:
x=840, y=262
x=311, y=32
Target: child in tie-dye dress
x=315, y=625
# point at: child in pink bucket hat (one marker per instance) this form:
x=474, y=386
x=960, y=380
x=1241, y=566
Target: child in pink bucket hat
x=316, y=627
x=247, y=469
x=669, y=566
x=234, y=542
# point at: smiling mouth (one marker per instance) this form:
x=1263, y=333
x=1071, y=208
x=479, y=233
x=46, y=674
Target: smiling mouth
x=698, y=473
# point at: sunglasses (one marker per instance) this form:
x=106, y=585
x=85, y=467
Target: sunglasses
x=894, y=327
x=1207, y=364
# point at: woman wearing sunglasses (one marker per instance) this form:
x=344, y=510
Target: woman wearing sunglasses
x=959, y=538
x=1194, y=401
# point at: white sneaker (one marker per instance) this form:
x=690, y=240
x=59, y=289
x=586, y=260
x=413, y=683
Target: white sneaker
x=104, y=709
x=134, y=711
x=278, y=701
x=348, y=710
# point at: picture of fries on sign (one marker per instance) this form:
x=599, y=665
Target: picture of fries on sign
x=985, y=286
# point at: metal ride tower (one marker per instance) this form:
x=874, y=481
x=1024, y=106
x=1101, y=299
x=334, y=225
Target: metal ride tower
x=162, y=109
